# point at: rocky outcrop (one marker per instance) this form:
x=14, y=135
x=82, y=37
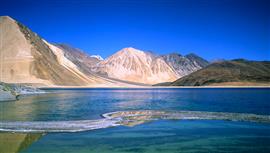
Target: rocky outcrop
x=11, y=92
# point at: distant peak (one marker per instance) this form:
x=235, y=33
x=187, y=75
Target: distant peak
x=97, y=57
x=240, y=60
x=192, y=54
x=130, y=50
x=174, y=54
x=6, y=18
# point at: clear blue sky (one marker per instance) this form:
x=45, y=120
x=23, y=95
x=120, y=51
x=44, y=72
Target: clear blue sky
x=213, y=29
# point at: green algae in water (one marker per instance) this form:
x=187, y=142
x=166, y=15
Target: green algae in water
x=17, y=142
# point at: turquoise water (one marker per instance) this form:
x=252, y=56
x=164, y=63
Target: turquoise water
x=158, y=136
x=162, y=137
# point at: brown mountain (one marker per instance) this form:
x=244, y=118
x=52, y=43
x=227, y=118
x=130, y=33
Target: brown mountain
x=236, y=72
x=134, y=65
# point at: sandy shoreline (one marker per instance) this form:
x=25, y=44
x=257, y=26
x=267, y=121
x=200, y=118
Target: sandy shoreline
x=149, y=87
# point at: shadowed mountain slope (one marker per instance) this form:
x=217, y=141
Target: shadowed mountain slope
x=184, y=65
x=82, y=60
x=235, y=72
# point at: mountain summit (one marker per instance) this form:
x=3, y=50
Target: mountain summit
x=134, y=65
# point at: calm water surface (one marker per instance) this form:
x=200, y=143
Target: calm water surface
x=158, y=136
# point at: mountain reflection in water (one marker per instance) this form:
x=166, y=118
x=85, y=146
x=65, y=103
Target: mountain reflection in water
x=16, y=142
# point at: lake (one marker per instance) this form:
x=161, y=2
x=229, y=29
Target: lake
x=170, y=136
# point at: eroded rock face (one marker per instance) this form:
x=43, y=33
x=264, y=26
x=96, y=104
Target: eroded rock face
x=184, y=65
x=16, y=56
x=136, y=66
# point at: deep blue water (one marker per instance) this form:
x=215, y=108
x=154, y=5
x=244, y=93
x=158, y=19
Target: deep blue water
x=159, y=136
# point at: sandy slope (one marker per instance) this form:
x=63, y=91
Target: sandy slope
x=27, y=58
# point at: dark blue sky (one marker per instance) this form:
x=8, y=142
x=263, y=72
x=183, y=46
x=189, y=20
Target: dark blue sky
x=213, y=29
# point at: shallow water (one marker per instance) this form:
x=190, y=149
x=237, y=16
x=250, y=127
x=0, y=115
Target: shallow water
x=163, y=137
x=158, y=136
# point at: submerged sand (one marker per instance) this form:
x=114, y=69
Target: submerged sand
x=126, y=118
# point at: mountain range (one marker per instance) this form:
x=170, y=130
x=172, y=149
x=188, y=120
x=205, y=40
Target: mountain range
x=27, y=58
